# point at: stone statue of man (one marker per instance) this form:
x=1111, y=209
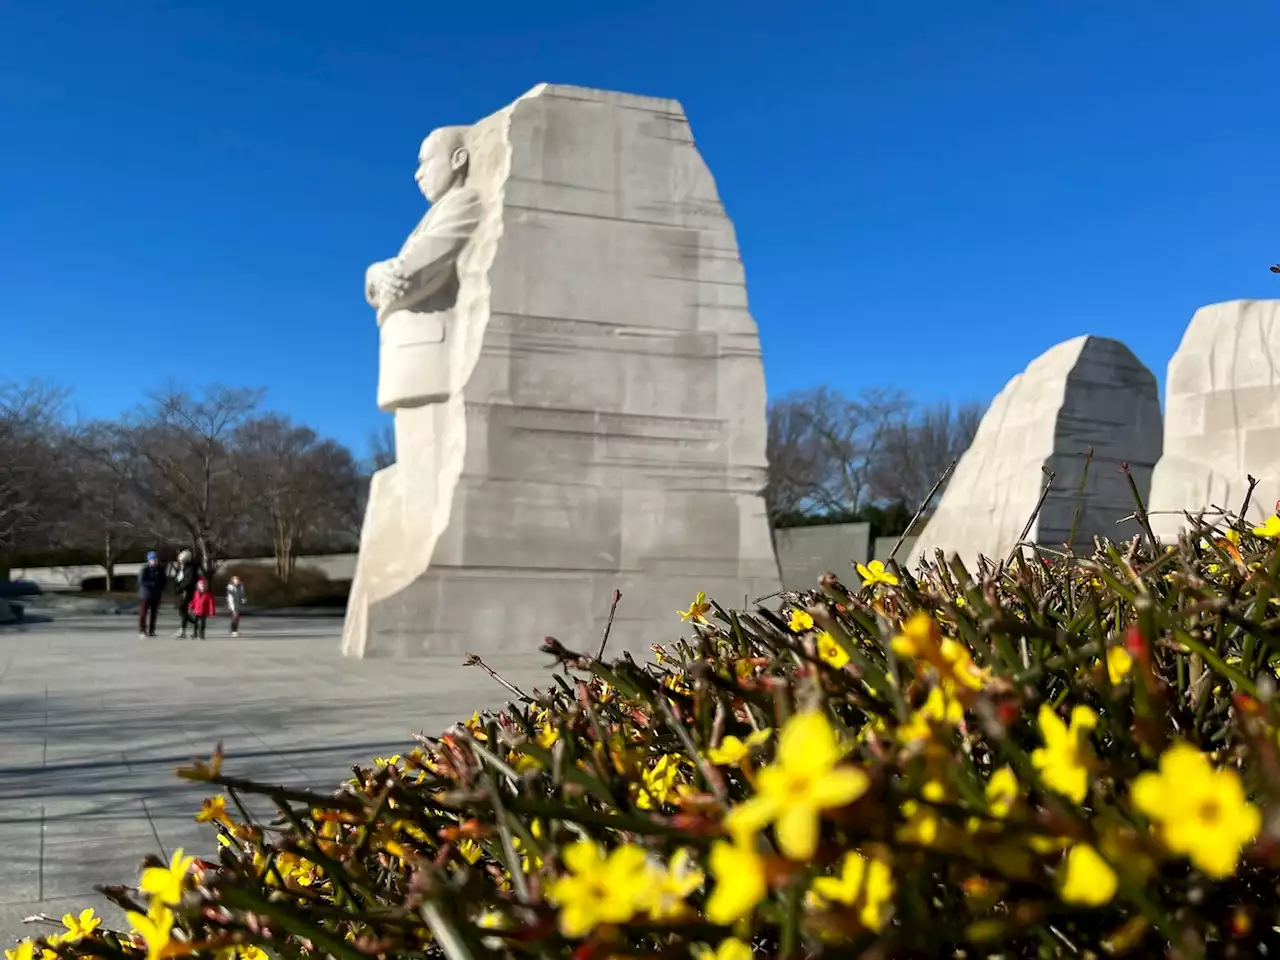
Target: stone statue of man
x=415, y=292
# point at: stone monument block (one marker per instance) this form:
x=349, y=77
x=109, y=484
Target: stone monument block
x=577, y=388
x=1089, y=392
x=1222, y=417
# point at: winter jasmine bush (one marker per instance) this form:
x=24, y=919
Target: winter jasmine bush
x=1057, y=756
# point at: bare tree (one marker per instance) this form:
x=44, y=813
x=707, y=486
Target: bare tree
x=823, y=446
x=109, y=515
x=182, y=446
x=795, y=462
x=32, y=477
x=382, y=448
x=915, y=450
x=299, y=486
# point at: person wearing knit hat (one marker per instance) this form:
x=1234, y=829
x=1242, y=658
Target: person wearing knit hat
x=151, y=580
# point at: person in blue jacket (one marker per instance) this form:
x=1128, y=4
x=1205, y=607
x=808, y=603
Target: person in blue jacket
x=151, y=581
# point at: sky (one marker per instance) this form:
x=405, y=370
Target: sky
x=927, y=195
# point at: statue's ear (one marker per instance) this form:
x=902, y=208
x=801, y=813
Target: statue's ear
x=459, y=159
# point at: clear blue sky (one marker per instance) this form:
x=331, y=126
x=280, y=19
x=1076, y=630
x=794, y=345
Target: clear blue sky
x=927, y=194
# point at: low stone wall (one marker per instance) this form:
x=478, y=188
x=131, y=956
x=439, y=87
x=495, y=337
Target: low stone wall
x=338, y=566
x=804, y=554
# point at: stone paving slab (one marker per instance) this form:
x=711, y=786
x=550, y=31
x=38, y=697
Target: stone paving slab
x=94, y=721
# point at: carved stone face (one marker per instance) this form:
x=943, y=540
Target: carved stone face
x=441, y=159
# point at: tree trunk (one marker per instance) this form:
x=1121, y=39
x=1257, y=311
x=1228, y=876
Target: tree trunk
x=109, y=561
x=202, y=548
x=284, y=551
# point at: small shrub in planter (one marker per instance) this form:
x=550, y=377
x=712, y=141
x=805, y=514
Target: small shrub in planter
x=1058, y=757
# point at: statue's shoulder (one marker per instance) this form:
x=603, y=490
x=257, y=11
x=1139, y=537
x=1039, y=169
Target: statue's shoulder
x=461, y=202
x=456, y=215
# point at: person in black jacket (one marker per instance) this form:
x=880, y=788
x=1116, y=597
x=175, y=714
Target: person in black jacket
x=151, y=580
x=185, y=576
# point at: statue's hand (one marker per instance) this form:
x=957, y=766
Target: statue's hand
x=383, y=283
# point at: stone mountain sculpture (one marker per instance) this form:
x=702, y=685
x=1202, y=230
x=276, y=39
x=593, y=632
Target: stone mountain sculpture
x=1089, y=392
x=1222, y=417
x=577, y=388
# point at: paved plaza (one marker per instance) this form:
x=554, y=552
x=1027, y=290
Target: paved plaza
x=93, y=722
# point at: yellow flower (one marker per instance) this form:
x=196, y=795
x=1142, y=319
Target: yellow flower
x=831, y=651
x=476, y=726
x=1062, y=761
x=697, y=612
x=1119, y=662
x=156, y=928
x=1085, y=878
x=922, y=824
x=529, y=863
x=1270, y=529
x=672, y=885
x=740, y=880
x=800, y=621
x=25, y=950
x=658, y=784
x=1001, y=792
x=1201, y=813
x=599, y=888
x=298, y=869
x=675, y=681
x=805, y=780
x=733, y=751
x=874, y=572
x=867, y=882
x=214, y=810
x=940, y=707
x=79, y=927
x=165, y=883
x=921, y=639
x=390, y=761
x=546, y=736
x=470, y=851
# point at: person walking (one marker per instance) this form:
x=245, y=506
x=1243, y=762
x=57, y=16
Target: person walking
x=185, y=577
x=235, y=603
x=201, y=609
x=151, y=581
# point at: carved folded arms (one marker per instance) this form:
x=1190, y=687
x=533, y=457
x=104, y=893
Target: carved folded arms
x=429, y=257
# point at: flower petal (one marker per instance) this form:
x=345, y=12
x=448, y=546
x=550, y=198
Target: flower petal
x=840, y=787
x=750, y=817
x=797, y=832
x=808, y=742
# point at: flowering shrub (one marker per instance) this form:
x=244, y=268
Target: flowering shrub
x=1060, y=756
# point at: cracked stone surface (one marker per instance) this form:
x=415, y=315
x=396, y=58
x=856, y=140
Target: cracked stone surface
x=1088, y=393
x=1222, y=416
x=93, y=722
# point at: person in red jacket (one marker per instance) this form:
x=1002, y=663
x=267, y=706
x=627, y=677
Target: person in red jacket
x=201, y=608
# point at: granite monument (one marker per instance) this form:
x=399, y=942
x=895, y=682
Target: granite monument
x=576, y=382
x=1222, y=417
x=1089, y=392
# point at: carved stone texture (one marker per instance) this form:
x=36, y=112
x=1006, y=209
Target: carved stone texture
x=1222, y=417
x=1089, y=392
x=577, y=387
